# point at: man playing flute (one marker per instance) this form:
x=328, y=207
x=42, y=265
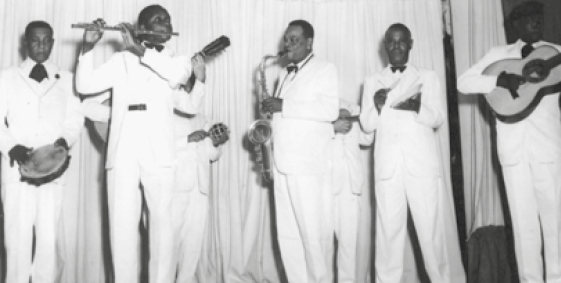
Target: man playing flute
x=143, y=78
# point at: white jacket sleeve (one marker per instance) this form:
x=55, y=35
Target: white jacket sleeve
x=74, y=119
x=7, y=140
x=190, y=103
x=431, y=113
x=473, y=81
x=94, y=110
x=91, y=81
x=369, y=115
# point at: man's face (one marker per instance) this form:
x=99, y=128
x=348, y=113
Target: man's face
x=530, y=29
x=160, y=22
x=39, y=44
x=398, y=43
x=296, y=44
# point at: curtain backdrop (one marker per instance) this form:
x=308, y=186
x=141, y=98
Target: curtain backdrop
x=477, y=26
x=240, y=246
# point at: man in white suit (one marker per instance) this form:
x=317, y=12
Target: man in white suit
x=402, y=104
x=304, y=105
x=37, y=107
x=195, y=150
x=141, y=145
x=348, y=183
x=529, y=153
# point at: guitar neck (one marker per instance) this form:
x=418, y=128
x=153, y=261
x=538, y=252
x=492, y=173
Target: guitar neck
x=553, y=61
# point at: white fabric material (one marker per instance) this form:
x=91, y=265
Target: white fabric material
x=141, y=147
x=349, y=183
x=407, y=172
x=348, y=33
x=530, y=154
x=29, y=209
x=303, y=153
x=477, y=26
x=190, y=196
x=302, y=132
x=37, y=114
x=126, y=75
x=304, y=226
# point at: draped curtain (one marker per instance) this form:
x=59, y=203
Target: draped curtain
x=240, y=246
x=477, y=26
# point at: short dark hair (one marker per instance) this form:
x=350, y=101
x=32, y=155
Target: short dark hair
x=36, y=24
x=401, y=27
x=307, y=27
x=147, y=13
x=526, y=9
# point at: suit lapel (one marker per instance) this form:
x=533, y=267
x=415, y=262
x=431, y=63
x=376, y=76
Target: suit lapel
x=409, y=78
x=54, y=77
x=301, y=76
x=38, y=89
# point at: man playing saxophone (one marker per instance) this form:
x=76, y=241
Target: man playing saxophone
x=304, y=105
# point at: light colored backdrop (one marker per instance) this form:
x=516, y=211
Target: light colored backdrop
x=348, y=32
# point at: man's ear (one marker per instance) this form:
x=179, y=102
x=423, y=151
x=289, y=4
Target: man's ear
x=411, y=44
x=309, y=43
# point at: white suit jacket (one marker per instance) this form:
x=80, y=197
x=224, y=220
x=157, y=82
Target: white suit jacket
x=404, y=136
x=302, y=132
x=347, y=164
x=37, y=114
x=194, y=158
x=157, y=77
x=539, y=135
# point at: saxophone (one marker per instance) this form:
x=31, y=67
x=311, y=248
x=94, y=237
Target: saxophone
x=260, y=131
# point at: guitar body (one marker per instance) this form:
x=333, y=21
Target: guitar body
x=510, y=110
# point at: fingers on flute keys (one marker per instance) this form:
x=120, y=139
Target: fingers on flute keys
x=93, y=35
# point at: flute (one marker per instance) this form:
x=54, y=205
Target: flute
x=90, y=26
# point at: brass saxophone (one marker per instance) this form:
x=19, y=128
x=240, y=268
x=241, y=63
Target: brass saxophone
x=260, y=131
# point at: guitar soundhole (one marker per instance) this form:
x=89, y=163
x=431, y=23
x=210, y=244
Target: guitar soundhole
x=535, y=71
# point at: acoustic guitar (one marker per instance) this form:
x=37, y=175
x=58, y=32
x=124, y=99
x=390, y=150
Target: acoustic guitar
x=102, y=129
x=543, y=76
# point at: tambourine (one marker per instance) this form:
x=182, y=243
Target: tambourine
x=45, y=164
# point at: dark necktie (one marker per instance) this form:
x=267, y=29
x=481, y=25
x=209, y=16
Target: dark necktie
x=158, y=47
x=400, y=69
x=527, y=49
x=292, y=68
x=38, y=73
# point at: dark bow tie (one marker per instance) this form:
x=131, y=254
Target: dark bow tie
x=527, y=49
x=158, y=47
x=400, y=69
x=38, y=73
x=292, y=68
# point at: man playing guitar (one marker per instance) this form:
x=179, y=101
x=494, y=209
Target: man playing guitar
x=529, y=152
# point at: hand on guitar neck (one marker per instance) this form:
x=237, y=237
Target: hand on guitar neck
x=210, y=49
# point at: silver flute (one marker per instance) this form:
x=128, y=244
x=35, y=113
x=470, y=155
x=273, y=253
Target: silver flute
x=90, y=26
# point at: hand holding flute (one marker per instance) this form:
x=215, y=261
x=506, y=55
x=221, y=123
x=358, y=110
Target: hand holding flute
x=91, y=37
x=94, y=32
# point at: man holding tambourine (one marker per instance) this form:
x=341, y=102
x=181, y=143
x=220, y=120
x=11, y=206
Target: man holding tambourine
x=41, y=119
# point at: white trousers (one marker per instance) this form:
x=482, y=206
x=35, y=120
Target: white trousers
x=27, y=207
x=534, y=196
x=305, y=226
x=346, y=211
x=190, y=212
x=134, y=164
x=392, y=197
